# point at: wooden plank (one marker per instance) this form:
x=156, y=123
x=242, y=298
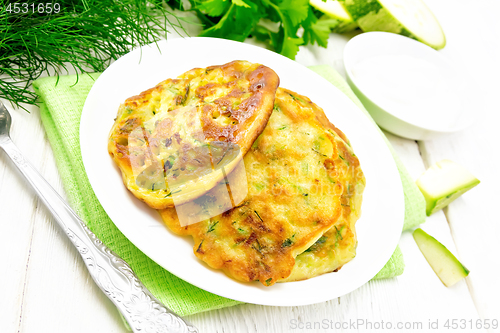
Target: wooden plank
x=17, y=211
x=60, y=294
x=46, y=285
x=472, y=218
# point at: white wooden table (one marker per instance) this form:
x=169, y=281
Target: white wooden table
x=45, y=287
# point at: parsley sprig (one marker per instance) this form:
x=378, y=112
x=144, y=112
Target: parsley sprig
x=277, y=22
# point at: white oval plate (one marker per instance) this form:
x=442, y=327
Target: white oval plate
x=378, y=229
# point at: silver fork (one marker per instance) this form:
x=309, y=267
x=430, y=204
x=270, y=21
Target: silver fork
x=142, y=311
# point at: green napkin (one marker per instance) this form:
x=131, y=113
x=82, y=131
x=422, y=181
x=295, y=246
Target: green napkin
x=61, y=103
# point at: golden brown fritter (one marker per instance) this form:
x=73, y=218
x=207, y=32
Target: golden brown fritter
x=161, y=138
x=303, y=178
x=338, y=245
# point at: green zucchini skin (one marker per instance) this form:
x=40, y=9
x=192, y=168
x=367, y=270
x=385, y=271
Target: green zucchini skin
x=444, y=182
x=446, y=266
x=373, y=16
x=334, y=9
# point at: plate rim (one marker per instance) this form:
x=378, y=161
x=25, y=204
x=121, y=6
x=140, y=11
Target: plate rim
x=387, y=253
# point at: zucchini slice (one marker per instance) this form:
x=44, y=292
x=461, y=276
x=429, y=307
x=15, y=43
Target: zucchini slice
x=443, y=262
x=409, y=18
x=334, y=9
x=444, y=182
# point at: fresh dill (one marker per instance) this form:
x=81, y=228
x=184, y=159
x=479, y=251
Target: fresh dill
x=84, y=36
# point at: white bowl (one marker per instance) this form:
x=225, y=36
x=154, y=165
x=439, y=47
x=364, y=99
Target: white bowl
x=420, y=118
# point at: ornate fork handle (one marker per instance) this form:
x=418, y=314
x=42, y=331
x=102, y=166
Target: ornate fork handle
x=113, y=275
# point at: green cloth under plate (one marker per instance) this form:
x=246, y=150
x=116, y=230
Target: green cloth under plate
x=61, y=104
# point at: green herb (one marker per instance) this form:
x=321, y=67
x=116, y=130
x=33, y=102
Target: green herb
x=287, y=242
x=343, y=159
x=212, y=226
x=295, y=98
x=170, y=193
x=339, y=232
x=268, y=281
x=305, y=167
x=318, y=152
x=85, y=35
x=199, y=247
x=282, y=127
x=315, y=246
x=174, y=90
x=259, y=249
x=259, y=187
x=321, y=240
x=276, y=22
x=223, y=155
x=260, y=218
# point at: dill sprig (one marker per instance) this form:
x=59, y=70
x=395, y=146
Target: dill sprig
x=85, y=35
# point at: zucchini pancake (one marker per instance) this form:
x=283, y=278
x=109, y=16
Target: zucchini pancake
x=304, y=196
x=161, y=138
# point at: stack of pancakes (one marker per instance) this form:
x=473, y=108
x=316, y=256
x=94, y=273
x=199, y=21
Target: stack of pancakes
x=267, y=187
